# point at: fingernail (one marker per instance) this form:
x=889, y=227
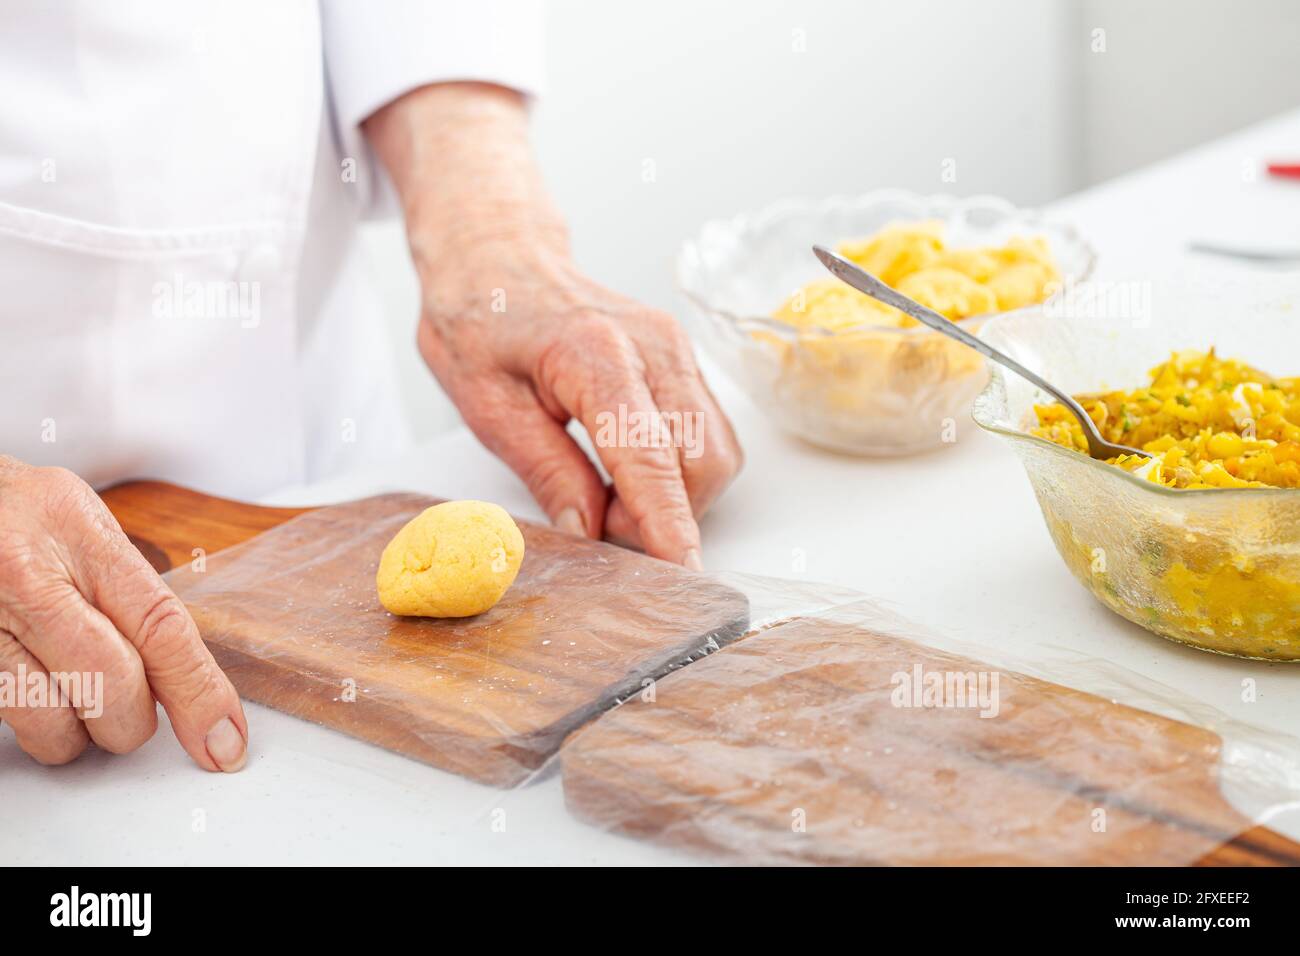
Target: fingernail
x=226, y=746
x=570, y=522
x=692, y=560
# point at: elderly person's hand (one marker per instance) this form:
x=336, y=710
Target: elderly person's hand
x=524, y=343
x=77, y=599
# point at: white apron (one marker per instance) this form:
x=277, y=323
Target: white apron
x=179, y=297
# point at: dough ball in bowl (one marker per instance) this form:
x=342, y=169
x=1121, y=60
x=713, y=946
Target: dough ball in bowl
x=455, y=559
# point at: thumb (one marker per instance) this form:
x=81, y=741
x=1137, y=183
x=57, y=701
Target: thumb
x=544, y=455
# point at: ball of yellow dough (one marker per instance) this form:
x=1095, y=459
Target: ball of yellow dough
x=455, y=559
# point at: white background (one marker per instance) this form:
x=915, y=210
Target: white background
x=716, y=95
x=952, y=540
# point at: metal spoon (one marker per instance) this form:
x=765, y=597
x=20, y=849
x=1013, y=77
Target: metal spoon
x=865, y=282
x=1264, y=254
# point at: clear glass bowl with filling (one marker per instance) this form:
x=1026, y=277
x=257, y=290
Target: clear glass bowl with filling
x=1218, y=569
x=866, y=390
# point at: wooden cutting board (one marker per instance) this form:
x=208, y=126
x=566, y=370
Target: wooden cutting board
x=798, y=723
x=285, y=598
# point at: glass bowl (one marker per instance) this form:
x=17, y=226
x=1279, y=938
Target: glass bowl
x=1218, y=569
x=865, y=390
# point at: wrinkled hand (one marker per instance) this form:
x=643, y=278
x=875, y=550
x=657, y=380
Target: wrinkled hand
x=77, y=597
x=523, y=343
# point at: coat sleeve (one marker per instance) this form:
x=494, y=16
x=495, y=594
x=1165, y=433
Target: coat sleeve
x=377, y=50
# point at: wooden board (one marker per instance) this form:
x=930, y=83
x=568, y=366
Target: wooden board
x=293, y=618
x=167, y=522
x=616, y=771
x=798, y=722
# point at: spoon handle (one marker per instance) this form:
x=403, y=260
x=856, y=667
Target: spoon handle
x=868, y=284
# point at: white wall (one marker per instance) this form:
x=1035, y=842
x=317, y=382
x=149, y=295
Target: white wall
x=731, y=112
x=1175, y=73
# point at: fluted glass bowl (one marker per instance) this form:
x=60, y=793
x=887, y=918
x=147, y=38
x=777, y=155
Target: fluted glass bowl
x=1218, y=569
x=867, y=390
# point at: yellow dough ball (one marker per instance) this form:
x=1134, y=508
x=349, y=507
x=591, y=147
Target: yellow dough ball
x=455, y=559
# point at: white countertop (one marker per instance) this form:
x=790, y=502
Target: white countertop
x=952, y=540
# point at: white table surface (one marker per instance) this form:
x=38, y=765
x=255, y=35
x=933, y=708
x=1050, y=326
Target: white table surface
x=952, y=540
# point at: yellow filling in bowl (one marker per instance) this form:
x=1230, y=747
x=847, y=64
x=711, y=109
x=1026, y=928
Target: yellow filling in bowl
x=913, y=258
x=1209, y=423
x=857, y=376
x=1224, y=581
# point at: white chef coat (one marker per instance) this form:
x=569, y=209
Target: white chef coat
x=180, y=185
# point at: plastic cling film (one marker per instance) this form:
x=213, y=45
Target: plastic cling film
x=841, y=738
x=730, y=717
x=294, y=618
